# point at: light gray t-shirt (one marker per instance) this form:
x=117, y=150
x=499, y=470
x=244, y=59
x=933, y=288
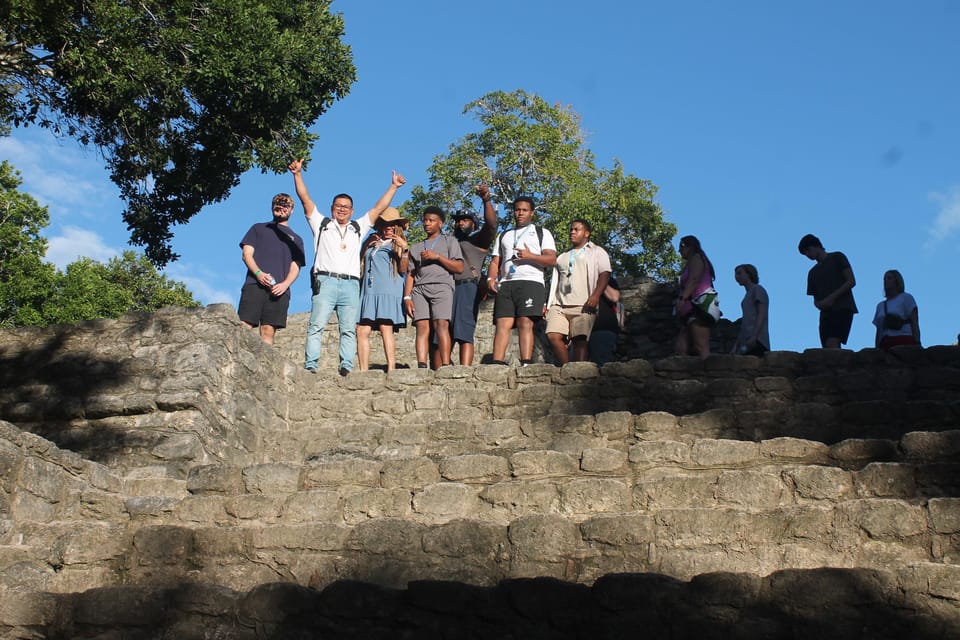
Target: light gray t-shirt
x=434, y=272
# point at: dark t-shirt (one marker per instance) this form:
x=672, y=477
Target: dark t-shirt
x=826, y=276
x=275, y=246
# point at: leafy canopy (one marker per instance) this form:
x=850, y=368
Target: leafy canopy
x=530, y=147
x=34, y=292
x=180, y=96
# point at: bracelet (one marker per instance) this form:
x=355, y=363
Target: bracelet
x=257, y=273
x=408, y=297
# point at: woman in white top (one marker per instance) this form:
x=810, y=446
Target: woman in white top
x=896, y=317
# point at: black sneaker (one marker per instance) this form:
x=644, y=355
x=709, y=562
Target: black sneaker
x=344, y=371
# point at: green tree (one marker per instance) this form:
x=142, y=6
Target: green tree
x=26, y=281
x=34, y=292
x=530, y=147
x=180, y=96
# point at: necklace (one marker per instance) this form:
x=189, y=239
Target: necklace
x=343, y=236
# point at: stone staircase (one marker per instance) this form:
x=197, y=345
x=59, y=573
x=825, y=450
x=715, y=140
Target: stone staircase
x=222, y=492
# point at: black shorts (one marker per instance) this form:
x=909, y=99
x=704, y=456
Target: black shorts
x=835, y=324
x=258, y=307
x=520, y=299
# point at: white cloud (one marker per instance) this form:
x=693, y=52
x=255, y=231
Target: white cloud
x=200, y=282
x=75, y=243
x=947, y=221
x=60, y=174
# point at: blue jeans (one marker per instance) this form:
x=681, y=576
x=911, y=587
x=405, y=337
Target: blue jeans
x=344, y=297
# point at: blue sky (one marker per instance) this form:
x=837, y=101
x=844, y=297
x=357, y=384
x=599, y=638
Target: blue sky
x=759, y=122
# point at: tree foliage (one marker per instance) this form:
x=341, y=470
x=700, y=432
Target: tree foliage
x=181, y=96
x=529, y=147
x=34, y=292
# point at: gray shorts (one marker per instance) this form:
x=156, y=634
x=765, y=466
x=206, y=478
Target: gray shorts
x=432, y=302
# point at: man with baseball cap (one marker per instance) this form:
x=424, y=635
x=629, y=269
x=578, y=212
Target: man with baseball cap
x=474, y=245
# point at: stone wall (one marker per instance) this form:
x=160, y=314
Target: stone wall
x=170, y=476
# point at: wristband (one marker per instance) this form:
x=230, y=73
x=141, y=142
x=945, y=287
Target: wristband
x=257, y=273
x=408, y=297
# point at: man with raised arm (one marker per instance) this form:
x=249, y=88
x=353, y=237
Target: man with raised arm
x=474, y=245
x=336, y=266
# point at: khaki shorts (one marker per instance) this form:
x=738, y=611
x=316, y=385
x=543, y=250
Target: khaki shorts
x=570, y=321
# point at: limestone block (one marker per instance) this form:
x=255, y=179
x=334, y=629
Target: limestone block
x=505, y=433
x=462, y=398
x=446, y=501
x=545, y=538
x=504, y=397
x=614, y=425
x=620, y=529
x=725, y=453
x=387, y=536
x=466, y=539
x=156, y=486
x=808, y=522
x=752, y=489
x=254, y=507
x=536, y=372
x=42, y=479
x=365, y=432
x=119, y=607
x=28, y=609
x=412, y=473
x=300, y=537
x=944, y=514
x=574, y=371
x=886, y=519
x=163, y=545
x=362, y=504
x=499, y=376
x=657, y=422
x=539, y=393
x=936, y=579
x=102, y=505
x=405, y=434
x=182, y=446
x=773, y=384
x=340, y=469
x=475, y=468
x=523, y=497
x=886, y=480
x=703, y=527
x=882, y=554
x=594, y=495
x=271, y=478
x=214, y=478
x=449, y=430
x=794, y=449
x=713, y=423
x=80, y=578
x=221, y=542
x=27, y=507
x=603, y=460
x=665, y=488
x=543, y=463
x=428, y=399
x=637, y=369
x=150, y=505
x=319, y=505
x=731, y=389
x=820, y=483
x=856, y=453
x=207, y=509
x=926, y=445
x=659, y=452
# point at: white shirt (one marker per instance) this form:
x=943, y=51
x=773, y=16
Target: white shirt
x=522, y=269
x=339, y=248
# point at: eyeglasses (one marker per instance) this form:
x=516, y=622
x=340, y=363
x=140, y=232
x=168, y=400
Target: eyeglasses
x=342, y=207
